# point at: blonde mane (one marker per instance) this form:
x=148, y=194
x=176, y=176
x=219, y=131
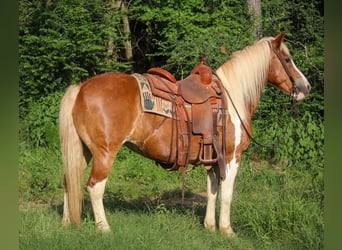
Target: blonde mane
x=244, y=76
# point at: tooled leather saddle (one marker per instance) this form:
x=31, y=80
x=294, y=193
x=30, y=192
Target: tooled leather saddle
x=203, y=92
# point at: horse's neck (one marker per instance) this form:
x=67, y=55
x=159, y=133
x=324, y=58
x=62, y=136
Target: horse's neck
x=244, y=78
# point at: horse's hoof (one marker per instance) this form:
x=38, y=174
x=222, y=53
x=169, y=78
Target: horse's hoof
x=209, y=227
x=103, y=229
x=228, y=232
x=66, y=222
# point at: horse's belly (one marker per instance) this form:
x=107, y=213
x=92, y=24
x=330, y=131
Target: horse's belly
x=156, y=138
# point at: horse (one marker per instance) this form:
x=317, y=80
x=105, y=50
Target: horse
x=100, y=115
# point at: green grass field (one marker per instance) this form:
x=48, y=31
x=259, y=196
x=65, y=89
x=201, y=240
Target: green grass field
x=273, y=207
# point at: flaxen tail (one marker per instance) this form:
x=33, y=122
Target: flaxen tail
x=72, y=153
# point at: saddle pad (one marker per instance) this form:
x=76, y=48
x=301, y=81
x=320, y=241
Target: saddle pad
x=149, y=102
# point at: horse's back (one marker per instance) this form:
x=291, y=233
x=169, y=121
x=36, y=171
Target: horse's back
x=107, y=85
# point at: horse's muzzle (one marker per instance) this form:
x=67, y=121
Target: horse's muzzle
x=303, y=88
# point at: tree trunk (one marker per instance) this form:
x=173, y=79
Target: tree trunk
x=127, y=31
x=254, y=8
x=112, y=56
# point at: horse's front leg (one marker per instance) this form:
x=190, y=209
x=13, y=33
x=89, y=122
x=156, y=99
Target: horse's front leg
x=212, y=188
x=227, y=187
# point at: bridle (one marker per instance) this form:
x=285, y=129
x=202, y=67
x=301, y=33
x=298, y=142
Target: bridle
x=287, y=71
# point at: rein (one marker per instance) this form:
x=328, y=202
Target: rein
x=243, y=124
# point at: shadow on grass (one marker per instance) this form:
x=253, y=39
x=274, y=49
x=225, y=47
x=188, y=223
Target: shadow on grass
x=170, y=200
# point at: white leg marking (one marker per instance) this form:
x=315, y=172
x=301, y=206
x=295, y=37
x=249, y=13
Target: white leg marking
x=212, y=187
x=66, y=214
x=96, y=195
x=227, y=185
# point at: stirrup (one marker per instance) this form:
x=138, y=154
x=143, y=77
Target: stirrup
x=208, y=161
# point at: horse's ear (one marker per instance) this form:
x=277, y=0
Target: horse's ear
x=278, y=40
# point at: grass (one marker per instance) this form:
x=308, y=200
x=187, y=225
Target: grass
x=273, y=208
x=158, y=228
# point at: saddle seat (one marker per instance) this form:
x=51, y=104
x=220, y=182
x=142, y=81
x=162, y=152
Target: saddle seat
x=203, y=92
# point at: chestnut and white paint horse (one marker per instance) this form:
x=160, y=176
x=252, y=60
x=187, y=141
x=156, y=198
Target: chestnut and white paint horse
x=100, y=115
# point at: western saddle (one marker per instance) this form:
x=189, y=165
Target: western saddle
x=203, y=93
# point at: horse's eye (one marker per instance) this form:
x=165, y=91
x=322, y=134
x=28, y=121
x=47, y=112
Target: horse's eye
x=288, y=60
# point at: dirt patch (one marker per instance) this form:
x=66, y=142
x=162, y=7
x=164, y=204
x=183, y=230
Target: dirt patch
x=32, y=205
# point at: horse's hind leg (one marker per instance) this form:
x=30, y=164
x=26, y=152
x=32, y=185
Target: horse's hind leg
x=96, y=187
x=96, y=195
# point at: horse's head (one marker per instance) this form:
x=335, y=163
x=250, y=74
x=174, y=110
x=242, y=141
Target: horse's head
x=283, y=72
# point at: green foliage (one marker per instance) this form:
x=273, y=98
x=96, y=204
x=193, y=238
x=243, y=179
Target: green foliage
x=62, y=43
x=39, y=127
x=296, y=140
x=185, y=31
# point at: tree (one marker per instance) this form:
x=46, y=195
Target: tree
x=254, y=8
x=127, y=31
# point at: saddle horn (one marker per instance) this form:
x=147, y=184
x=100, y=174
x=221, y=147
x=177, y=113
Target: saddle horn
x=203, y=71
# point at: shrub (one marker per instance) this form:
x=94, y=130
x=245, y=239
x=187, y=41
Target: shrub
x=294, y=139
x=300, y=141
x=39, y=127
